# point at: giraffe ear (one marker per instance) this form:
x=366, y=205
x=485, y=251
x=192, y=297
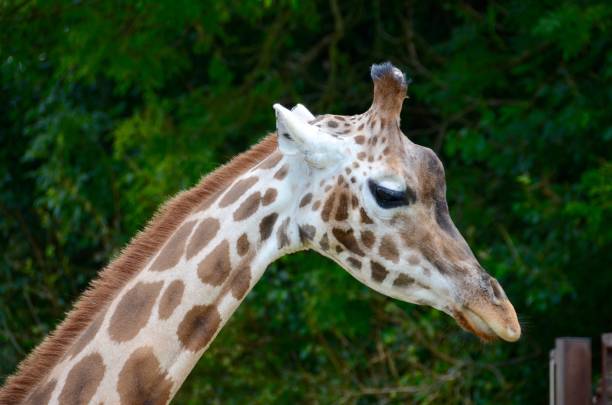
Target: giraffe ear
x=302, y=112
x=296, y=136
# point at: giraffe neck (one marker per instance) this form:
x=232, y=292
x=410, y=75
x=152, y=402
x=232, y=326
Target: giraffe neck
x=144, y=344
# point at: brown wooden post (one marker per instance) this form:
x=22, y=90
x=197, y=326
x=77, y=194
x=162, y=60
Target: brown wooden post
x=570, y=364
x=606, y=368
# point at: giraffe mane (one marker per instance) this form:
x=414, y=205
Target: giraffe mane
x=101, y=290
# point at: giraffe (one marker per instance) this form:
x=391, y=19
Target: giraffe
x=352, y=188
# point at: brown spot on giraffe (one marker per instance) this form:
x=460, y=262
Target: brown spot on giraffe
x=332, y=124
x=237, y=190
x=242, y=245
x=361, y=155
x=281, y=234
x=203, y=234
x=347, y=239
x=324, y=242
x=215, y=267
x=271, y=161
x=354, y=263
x=360, y=139
x=306, y=200
x=368, y=239
x=403, y=281
x=199, y=326
x=364, y=217
x=171, y=298
x=342, y=208
x=307, y=233
x=248, y=207
x=413, y=260
x=142, y=381
x=88, y=334
x=133, y=311
x=173, y=250
x=282, y=172
x=83, y=380
x=316, y=205
x=379, y=273
x=42, y=393
x=241, y=281
x=328, y=207
x=266, y=225
x=388, y=250
x=269, y=197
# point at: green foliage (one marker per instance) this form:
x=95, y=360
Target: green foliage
x=111, y=107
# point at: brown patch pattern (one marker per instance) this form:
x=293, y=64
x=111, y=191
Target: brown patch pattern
x=83, y=380
x=307, y=233
x=269, y=196
x=364, y=217
x=242, y=245
x=248, y=207
x=203, y=234
x=324, y=242
x=199, y=326
x=328, y=207
x=271, y=161
x=237, y=191
x=281, y=235
x=266, y=225
x=173, y=251
x=403, y=280
x=241, y=281
x=42, y=394
x=354, y=263
x=347, y=239
x=306, y=200
x=171, y=299
x=142, y=381
x=379, y=273
x=215, y=267
x=88, y=334
x=342, y=208
x=388, y=250
x=282, y=172
x=368, y=239
x=133, y=311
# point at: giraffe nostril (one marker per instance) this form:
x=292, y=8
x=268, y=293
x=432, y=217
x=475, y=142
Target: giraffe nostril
x=498, y=292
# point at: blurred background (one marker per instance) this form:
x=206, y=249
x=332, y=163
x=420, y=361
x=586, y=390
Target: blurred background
x=107, y=108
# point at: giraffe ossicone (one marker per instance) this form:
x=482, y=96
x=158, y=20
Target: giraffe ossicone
x=352, y=188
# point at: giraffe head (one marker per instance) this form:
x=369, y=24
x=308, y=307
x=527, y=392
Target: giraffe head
x=375, y=203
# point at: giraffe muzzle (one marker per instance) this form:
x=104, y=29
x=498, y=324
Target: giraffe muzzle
x=490, y=321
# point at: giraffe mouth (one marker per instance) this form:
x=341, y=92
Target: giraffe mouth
x=488, y=325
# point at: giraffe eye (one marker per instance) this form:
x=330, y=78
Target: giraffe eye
x=387, y=198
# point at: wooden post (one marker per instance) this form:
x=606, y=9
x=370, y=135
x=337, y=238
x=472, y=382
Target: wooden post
x=570, y=372
x=606, y=368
